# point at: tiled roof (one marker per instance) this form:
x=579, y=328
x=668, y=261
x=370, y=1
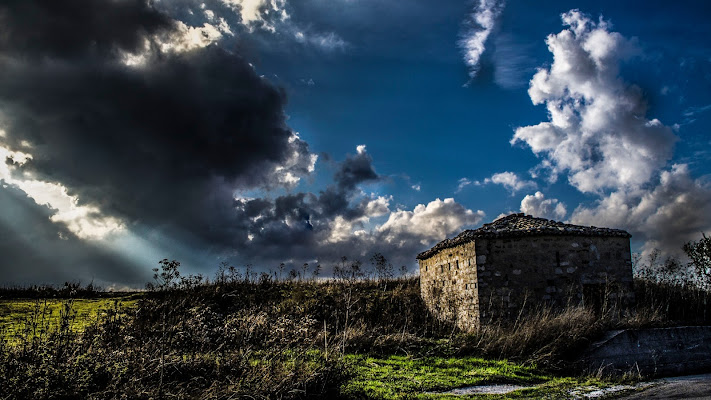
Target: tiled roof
x=517, y=225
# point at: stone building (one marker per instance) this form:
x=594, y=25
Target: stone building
x=519, y=261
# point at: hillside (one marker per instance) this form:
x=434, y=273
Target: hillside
x=255, y=336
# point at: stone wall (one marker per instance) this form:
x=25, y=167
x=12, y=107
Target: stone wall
x=489, y=278
x=552, y=270
x=448, y=282
x=651, y=352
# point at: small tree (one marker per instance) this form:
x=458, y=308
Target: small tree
x=234, y=274
x=167, y=276
x=383, y=268
x=699, y=253
x=221, y=274
x=304, y=269
x=317, y=271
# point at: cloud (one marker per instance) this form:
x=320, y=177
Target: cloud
x=597, y=131
x=275, y=17
x=73, y=28
x=478, y=27
x=327, y=41
x=136, y=128
x=299, y=162
x=171, y=122
x=343, y=229
x=463, y=182
x=598, y=135
x=512, y=63
x=538, y=206
x=342, y=220
x=692, y=111
x=665, y=216
x=428, y=223
x=37, y=250
x=355, y=170
x=163, y=144
x=259, y=13
x=509, y=180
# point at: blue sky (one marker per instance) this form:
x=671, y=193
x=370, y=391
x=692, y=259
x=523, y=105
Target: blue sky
x=268, y=131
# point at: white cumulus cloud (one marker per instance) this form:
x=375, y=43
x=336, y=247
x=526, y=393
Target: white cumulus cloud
x=597, y=130
x=342, y=229
x=538, y=206
x=510, y=181
x=428, y=223
x=599, y=136
x=665, y=216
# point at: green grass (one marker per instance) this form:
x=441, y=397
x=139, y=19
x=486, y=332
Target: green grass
x=398, y=377
x=28, y=317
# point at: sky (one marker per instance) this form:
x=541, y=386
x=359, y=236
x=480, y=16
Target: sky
x=260, y=132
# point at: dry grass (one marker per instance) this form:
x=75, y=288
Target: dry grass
x=274, y=339
x=545, y=337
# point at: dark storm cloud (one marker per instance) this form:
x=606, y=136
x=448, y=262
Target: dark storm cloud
x=150, y=144
x=298, y=225
x=69, y=28
x=36, y=250
x=304, y=227
x=351, y=172
x=355, y=170
x=162, y=144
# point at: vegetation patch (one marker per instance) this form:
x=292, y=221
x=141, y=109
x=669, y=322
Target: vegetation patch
x=403, y=377
x=248, y=335
x=36, y=317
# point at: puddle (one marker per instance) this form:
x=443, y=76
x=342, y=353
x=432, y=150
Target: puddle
x=593, y=392
x=584, y=392
x=483, y=389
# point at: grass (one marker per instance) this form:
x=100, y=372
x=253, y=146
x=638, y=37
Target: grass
x=257, y=337
x=404, y=377
x=398, y=377
x=22, y=317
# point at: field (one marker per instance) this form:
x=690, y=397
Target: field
x=246, y=336
x=23, y=317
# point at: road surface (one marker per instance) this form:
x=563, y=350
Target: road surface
x=693, y=387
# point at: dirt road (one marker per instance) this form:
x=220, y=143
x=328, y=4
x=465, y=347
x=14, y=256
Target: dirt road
x=694, y=387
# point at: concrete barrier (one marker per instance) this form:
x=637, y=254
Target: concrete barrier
x=652, y=352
